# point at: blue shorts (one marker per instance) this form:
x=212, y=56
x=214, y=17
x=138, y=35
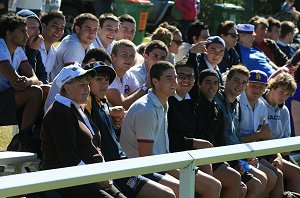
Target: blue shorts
x=131, y=186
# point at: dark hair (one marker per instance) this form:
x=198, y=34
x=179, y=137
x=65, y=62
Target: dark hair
x=157, y=69
x=273, y=22
x=49, y=16
x=296, y=58
x=107, y=16
x=126, y=18
x=283, y=80
x=155, y=44
x=80, y=19
x=122, y=43
x=99, y=54
x=195, y=30
x=163, y=35
x=256, y=20
x=10, y=22
x=286, y=28
x=224, y=27
x=183, y=63
x=237, y=69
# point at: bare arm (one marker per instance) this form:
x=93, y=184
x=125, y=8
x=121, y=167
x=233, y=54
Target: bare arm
x=145, y=148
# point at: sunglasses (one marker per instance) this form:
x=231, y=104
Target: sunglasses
x=233, y=35
x=178, y=42
x=184, y=76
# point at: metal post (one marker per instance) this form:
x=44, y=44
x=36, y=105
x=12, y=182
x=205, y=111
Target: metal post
x=187, y=181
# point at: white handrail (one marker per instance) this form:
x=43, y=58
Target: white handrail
x=13, y=185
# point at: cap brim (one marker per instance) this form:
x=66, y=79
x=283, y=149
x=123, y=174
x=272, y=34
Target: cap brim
x=107, y=69
x=258, y=82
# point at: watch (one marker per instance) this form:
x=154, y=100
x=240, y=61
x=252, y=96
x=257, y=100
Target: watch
x=144, y=88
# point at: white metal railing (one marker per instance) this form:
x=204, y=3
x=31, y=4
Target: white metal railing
x=24, y=183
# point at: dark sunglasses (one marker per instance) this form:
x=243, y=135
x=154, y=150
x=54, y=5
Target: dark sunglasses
x=178, y=42
x=184, y=76
x=233, y=35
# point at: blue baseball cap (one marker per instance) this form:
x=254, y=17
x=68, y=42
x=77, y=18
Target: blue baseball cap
x=245, y=29
x=258, y=76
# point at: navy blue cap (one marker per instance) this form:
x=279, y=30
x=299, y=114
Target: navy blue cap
x=258, y=76
x=215, y=39
x=29, y=14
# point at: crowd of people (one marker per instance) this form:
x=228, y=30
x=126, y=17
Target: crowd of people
x=98, y=97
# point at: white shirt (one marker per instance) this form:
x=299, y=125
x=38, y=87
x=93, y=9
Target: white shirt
x=251, y=118
x=98, y=44
x=140, y=73
x=19, y=57
x=48, y=58
x=69, y=51
x=127, y=85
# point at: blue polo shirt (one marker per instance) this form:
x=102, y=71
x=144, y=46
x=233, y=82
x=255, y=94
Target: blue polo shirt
x=254, y=59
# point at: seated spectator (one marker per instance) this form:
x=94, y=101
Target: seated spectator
x=250, y=56
x=20, y=93
x=274, y=29
x=140, y=186
x=109, y=26
x=286, y=38
x=140, y=139
x=53, y=29
x=197, y=31
x=254, y=127
x=34, y=41
x=177, y=38
x=122, y=91
x=65, y=125
x=227, y=31
x=166, y=36
x=127, y=27
x=269, y=47
x=288, y=7
x=154, y=51
x=73, y=48
x=279, y=89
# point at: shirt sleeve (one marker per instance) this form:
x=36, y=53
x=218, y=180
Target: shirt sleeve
x=145, y=131
x=71, y=56
x=286, y=123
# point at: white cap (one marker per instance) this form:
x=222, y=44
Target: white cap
x=70, y=72
x=245, y=29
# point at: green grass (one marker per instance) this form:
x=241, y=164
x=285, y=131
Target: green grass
x=5, y=136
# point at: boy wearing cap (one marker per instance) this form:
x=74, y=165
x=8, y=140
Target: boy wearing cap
x=20, y=93
x=254, y=127
x=251, y=57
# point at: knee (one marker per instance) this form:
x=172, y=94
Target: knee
x=36, y=92
x=256, y=186
x=168, y=193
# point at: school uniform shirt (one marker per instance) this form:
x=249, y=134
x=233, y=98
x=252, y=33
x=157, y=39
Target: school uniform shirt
x=19, y=57
x=145, y=121
x=279, y=120
x=140, y=73
x=251, y=118
x=182, y=124
x=286, y=48
x=98, y=44
x=127, y=84
x=69, y=51
x=48, y=58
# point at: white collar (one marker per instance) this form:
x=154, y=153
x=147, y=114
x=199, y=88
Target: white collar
x=186, y=97
x=210, y=66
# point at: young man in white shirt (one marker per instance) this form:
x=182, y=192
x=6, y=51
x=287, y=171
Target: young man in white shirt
x=19, y=86
x=53, y=24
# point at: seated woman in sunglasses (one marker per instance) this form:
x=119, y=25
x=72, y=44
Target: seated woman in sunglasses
x=227, y=31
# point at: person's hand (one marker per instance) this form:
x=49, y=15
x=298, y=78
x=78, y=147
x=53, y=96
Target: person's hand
x=199, y=47
x=277, y=162
x=253, y=161
x=35, y=42
x=265, y=131
x=21, y=83
x=106, y=184
x=117, y=114
x=200, y=144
